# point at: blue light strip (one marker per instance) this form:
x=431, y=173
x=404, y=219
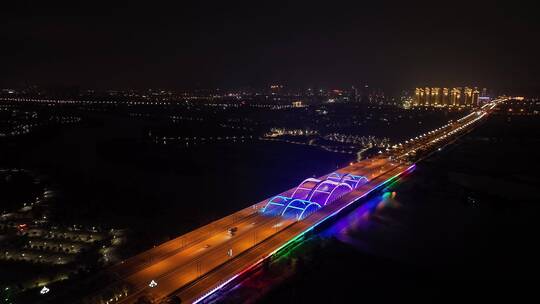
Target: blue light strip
x=271, y=202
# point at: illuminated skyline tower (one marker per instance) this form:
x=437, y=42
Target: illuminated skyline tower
x=427, y=94
x=455, y=97
x=435, y=95
x=418, y=96
x=475, y=95
x=468, y=97
x=445, y=100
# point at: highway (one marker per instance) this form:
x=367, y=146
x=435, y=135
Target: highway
x=199, y=262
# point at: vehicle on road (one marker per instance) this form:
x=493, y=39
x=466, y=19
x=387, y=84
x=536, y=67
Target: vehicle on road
x=232, y=230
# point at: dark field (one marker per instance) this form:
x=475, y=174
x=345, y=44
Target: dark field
x=109, y=173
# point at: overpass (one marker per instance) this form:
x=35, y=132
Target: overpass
x=193, y=266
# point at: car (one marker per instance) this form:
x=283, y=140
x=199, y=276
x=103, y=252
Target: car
x=232, y=230
x=207, y=246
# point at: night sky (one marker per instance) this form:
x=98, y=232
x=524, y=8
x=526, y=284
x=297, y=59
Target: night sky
x=232, y=44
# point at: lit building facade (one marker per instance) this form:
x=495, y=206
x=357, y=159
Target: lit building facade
x=475, y=95
x=468, y=97
x=447, y=97
x=455, y=97
x=418, y=97
x=435, y=97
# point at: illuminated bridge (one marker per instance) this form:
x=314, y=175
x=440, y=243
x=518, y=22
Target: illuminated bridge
x=312, y=194
x=196, y=264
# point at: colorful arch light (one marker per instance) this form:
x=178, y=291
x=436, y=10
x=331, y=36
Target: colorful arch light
x=312, y=193
x=300, y=205
x=325, y=185
x=277, y=200
x=336, y=188
x=301, y=186
x=334, y=176
x=351, y=179
x=286, y=204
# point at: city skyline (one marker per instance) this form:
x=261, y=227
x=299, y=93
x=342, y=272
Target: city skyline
x=391, y=46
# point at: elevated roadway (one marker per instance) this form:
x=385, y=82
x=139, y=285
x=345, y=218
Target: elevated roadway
x=197, y=263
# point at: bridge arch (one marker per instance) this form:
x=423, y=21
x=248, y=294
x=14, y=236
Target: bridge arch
x=348, y=178
x=278, y=200
x=354, y=179
x=308, y=210
x=344, y=186
x=300, y=206
x=334, y=176
x=317, y=189
x=302, y=187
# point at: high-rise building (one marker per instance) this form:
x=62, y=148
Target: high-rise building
x=418, y=96
x=445, y=99
x=468, y=97
x=354, y=94
x=455, y=97
x=365, y=94
x=484, y=92
x=435, y=95
x=475, y=95
x=276, y=89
